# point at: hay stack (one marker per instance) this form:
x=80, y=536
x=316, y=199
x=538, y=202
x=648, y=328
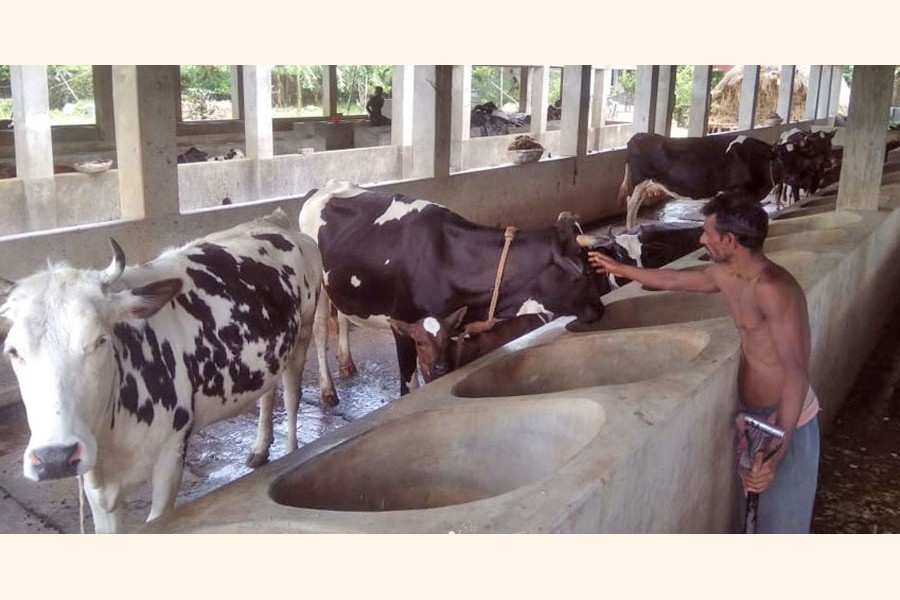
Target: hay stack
x=725, y=98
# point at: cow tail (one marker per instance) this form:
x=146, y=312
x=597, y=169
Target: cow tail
x=626, y=188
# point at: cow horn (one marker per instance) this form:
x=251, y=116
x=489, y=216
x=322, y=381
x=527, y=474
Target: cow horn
x=6, y=286
x=115, y=268
x=586, y=241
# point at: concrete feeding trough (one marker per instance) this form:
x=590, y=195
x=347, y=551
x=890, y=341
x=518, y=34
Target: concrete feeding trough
x=443, y=457
x=585, y=360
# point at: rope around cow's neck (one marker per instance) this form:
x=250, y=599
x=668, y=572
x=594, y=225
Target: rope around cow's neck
x=479, y=326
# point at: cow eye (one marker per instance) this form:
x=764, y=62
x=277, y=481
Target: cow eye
x=13, y=353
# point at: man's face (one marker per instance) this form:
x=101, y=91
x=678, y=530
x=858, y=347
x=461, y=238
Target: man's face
x=718, y=245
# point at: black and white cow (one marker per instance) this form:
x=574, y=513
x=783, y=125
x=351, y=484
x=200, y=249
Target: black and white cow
x=801, y=160
x=694, y=167
x=117, y=367
x=392, y=256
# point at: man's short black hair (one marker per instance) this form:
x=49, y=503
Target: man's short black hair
x=741, y=216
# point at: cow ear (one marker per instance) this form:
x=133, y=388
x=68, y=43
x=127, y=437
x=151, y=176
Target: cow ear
x=144, y=302
x=455, y=319
x=399, y=327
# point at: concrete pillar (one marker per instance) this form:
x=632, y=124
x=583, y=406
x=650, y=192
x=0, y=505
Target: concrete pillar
x=834, y=95
x=864, y=137
x=540, y=98
x=103, y=102
x=698, y=115
x=837, y=78
x=665, y=100
x=329, y=90
x=523, y=89
x=576, y=99
x=786, y=92
x=423, y=124
x=443, y=112
x=460, y=128
x=824, y=92
x=236, y=86
x=645, y=94
x=402, y=113
x=749, y=92
x=33, y=143
x=145, y=139
x=259, y=137
x=602, y=84
x=812, y=92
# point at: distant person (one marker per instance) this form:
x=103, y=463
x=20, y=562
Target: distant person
x=374, y=106
x=768, y=307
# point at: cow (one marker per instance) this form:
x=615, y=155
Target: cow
x=192, y=154
x=694, y=167
x=393, y=256
x=442, y=347
x=230, y=155
x=801, y=160
x=649, y=245
x=117, y=367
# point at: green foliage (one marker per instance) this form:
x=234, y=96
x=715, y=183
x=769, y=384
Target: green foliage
x=495, y=84
x=5, y=109
x=69, y=84
x=683, y=87
x=355, y=83
x=215, y=80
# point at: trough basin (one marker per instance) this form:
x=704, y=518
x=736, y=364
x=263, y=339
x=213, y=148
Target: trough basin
x=807, y=239
x=792, y=260
x=826, y=220
x=443, y=457
x=585, y=360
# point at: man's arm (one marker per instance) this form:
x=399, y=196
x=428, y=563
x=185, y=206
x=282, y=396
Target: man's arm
x=663, y=279
x=786, y=317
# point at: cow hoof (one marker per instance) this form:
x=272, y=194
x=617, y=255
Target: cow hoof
x=348, y=370
x=256, y=460
x=330, y=399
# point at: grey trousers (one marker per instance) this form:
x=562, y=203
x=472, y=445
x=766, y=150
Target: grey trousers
x=786, y=506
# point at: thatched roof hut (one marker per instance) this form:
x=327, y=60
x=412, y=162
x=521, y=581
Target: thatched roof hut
x=725, y=98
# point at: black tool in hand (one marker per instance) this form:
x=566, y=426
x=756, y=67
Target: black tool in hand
x=753, y=497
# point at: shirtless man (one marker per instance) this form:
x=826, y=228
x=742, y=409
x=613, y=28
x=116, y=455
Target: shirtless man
x=769, y=309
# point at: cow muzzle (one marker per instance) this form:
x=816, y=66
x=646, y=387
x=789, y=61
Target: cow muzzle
x=53, y=462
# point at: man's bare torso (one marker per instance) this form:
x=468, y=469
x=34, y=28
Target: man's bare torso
x=761, y=376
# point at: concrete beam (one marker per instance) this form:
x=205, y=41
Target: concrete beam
x=698, y=116
x=786, y=92
x=837, y=78
x=540, y=98
x=812, y=92
x=645, y=93
x=602, y=85
x=576, y=100
x=424, y=119
x=258, y=134
x=145, y=139
x=236, y=73
x=329, y=90
x=443, y=109
x=104, y=115
x=460, y=127
x=864, y=137
x=749, y=92
x=822, y=108
x=665, y=100
x=33, y=143
x=402, y=114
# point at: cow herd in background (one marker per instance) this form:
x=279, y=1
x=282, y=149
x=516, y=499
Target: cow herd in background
x=117, y=366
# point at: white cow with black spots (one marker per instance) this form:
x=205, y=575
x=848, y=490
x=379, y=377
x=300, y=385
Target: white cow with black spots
x=116, y=367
